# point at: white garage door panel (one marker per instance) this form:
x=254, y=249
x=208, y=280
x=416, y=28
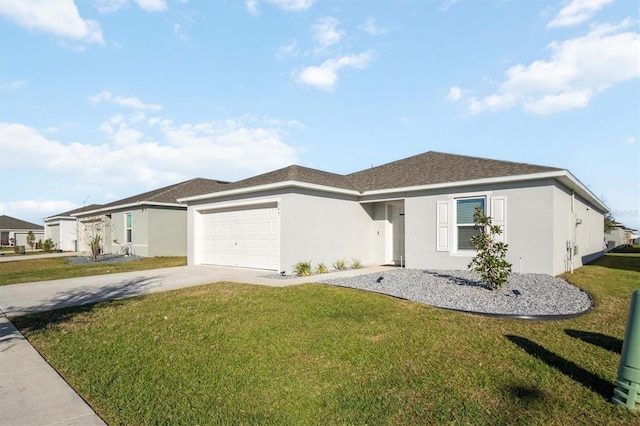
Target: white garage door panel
x=247, y=237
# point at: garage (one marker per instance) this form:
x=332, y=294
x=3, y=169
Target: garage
x=247, y=236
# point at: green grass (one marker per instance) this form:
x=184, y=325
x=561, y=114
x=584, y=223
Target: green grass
x=314, y=354
x=31, y=270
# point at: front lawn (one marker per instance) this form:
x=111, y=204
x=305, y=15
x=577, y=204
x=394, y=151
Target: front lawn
x=314, y=354
x=55, y=268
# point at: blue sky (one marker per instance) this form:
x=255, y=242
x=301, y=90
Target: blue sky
x=103, y=99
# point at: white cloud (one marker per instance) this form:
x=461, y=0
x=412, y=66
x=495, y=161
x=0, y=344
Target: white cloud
x=60, y=18
x=220, y=150
x=110, y=6
x=13, y=85
x=131, y=102
x=152, y=5
x=325, y=76
x=371, y=28
x=289, y=5
x=577, y=69
x=447, y=4
x=34, y=210
x=577, y=12
x=288, y=50
x=455, y=93
x=326, y=32
x=630, y=140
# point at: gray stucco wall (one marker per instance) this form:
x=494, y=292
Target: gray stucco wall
x=156, y=231
x=529, y=227
x=169, y=236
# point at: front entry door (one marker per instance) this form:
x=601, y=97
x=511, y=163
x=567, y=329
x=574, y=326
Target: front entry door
x=397, y=221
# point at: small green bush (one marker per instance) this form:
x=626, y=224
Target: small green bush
x=47, y=245
x=356, y=264
x=321, y=268
x=340, y=264
x=302, y=269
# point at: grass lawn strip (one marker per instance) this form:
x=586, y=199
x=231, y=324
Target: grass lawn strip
x=239, y=354
x=55, y=268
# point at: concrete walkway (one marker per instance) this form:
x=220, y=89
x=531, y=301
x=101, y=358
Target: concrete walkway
x=31, y=391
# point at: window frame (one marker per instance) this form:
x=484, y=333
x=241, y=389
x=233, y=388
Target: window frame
x=457, y=226
x=128, y=227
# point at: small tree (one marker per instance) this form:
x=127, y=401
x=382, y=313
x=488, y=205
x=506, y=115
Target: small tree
x=31, y=239
x=609, y=223
x=94, y=244
x=48, y=245
x=489, y=261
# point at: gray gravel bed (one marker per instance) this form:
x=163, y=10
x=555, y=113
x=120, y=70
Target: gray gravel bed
x=521, y=295
x=103, y=258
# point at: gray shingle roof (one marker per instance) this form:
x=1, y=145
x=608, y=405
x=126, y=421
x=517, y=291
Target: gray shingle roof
x=169, y=194
x=422, y=169
x=8, y=222
x=435, y=167
x=293, y=173
x=90, y=207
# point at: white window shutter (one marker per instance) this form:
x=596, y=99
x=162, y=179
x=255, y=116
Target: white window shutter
x=442, y=236
x=499, y=216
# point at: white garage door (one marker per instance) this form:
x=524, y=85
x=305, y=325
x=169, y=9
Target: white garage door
x=248, y=237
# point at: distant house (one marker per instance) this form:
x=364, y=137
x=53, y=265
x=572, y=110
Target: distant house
x=620, y=236
x=416, y=212
x=62, y=228
x=150, y=224
x=14, y=231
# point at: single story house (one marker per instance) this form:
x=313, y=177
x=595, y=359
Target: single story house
x=415, y=212
x=149, y=224
x=619, y=236
x=62, y=228
x=13, y=232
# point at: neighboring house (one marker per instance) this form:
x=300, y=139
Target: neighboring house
x=150, y=224
x=416, y=212
x=620, y=236
x=14, y=231
x=62, y=228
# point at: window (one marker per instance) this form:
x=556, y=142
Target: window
x=128, y=227
x=465, y=208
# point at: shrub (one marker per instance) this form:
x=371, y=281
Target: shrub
x=489, y=261
x=356, y=264
x=94, y=244
x=48, y=245
x=302, y=269
x=340, y=264
x=321, y=268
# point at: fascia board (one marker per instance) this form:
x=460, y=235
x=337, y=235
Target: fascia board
x=267, y=187
x=563, y=176
x=127, y=206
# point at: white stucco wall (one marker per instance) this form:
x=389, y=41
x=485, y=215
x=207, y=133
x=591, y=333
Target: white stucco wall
x=63, y=233
x=313, y=226
x=324, y=229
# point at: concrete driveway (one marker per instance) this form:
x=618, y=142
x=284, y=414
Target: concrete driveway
x=31, y=391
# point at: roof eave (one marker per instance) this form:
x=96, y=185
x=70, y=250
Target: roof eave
x=270, y=186
x=127, y=206
x=564, y=176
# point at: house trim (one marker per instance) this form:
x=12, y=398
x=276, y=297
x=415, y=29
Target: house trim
x=271, y=186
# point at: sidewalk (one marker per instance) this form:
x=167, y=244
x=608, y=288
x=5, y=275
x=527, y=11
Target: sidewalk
x=31, y=391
